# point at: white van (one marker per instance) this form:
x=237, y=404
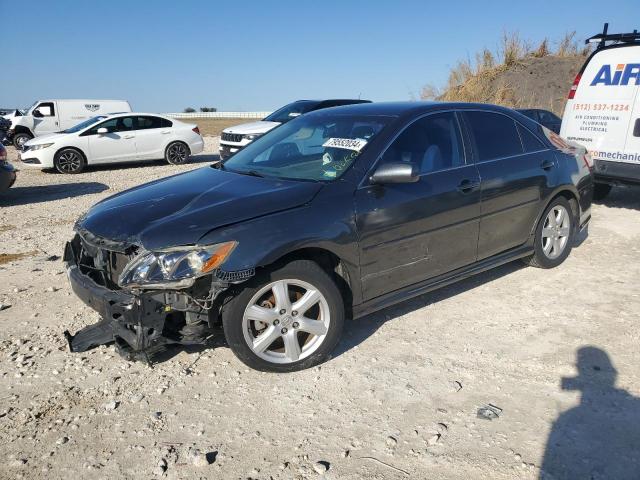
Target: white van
x=51, y=116
x=603, y=110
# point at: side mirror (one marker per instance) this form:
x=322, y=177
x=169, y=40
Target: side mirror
x=36, y=113
x=102, y=131
x=399, y=172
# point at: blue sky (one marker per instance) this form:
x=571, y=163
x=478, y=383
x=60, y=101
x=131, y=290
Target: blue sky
x=257, y=55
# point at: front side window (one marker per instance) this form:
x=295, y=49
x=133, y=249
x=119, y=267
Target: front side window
x=46, y=109
x=494, y=135
x=291, y=111
x=113, y=125
x=317, y=148
x=433, y=143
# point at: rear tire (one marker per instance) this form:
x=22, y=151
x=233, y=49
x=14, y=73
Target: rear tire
x=600, y=191
x=69, y=160
x=296, y=334
x=177, y=153
x=19, y=139
x=554, y=235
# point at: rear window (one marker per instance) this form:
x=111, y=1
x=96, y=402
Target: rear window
x=494, y=135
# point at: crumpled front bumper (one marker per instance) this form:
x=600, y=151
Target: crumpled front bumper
x=134, y=322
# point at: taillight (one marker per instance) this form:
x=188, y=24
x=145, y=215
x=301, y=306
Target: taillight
x=196, y=129
x=574, y=87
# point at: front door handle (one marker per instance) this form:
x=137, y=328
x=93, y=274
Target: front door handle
x=467, y=186
x=166, y=132
x=128, y=136
x=636, y=128
x=547, y=165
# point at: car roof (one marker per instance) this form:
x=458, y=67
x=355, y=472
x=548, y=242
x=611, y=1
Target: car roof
x=136, y=114
x=398, y=109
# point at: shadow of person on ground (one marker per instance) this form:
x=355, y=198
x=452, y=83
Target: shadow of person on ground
x=600, y=438
x=46, y=193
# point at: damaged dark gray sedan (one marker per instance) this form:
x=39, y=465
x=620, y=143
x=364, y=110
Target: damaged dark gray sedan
x=336, y=214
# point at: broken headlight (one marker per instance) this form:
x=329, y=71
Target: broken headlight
x=174, y=268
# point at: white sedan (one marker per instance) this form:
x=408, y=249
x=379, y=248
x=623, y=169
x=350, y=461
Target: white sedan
x=123, y=137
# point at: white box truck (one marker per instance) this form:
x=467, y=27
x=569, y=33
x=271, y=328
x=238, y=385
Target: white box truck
x=603, y=110
x=51, y=116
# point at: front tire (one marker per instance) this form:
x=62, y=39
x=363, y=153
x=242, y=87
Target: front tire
x=69, y=160
x=286, y=319
x=19, y=139
x=177, y=153
x=554, y=235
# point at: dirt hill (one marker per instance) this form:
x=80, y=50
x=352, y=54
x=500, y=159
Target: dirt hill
x=515, y=76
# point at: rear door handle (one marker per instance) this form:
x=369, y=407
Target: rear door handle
x=166, y=132
x=467, y=186
x=636, y=128
x=547, y=165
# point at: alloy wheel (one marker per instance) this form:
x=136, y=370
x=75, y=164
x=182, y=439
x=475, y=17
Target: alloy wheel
x=177, y=153
x=286, y=321
x=555, y=232
x=69, y=162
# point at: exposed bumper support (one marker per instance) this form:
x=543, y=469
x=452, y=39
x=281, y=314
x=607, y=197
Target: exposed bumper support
x=136, y=323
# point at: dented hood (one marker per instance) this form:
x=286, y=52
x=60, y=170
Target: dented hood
x=179, y=210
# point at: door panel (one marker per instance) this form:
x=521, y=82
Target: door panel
x=632, y=145
x=119, y=145
x=512, y=181
x=49, y=122
x=411, y=232
x=511, y=196
x=151, y=137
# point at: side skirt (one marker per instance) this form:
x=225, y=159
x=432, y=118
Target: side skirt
x=440, y=281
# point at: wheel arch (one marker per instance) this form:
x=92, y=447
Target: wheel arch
x=330, y=262
x=570, y=194
x=22, y=129
x=77, y=149
x=174, y=140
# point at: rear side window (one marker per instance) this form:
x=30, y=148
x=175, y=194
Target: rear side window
x=530, y=142
x=145, y=123
x=494, y=135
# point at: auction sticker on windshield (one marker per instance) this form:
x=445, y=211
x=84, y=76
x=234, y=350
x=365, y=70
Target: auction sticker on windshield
x=355, y=144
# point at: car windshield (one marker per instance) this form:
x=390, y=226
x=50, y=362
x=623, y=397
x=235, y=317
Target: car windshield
x=316, y=148
x=85, y=124
x=291, y=111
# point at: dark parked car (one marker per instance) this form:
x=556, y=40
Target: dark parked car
x=5, y=126
x=7, y=172
x=544, y=118
x=333, y=215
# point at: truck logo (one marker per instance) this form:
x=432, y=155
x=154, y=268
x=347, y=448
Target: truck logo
x=621, y=75
x=92, y=107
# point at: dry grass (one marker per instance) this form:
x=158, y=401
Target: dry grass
x=480, y=81
x=214, y=126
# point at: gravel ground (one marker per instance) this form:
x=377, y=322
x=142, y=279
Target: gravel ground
x=399, y=399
